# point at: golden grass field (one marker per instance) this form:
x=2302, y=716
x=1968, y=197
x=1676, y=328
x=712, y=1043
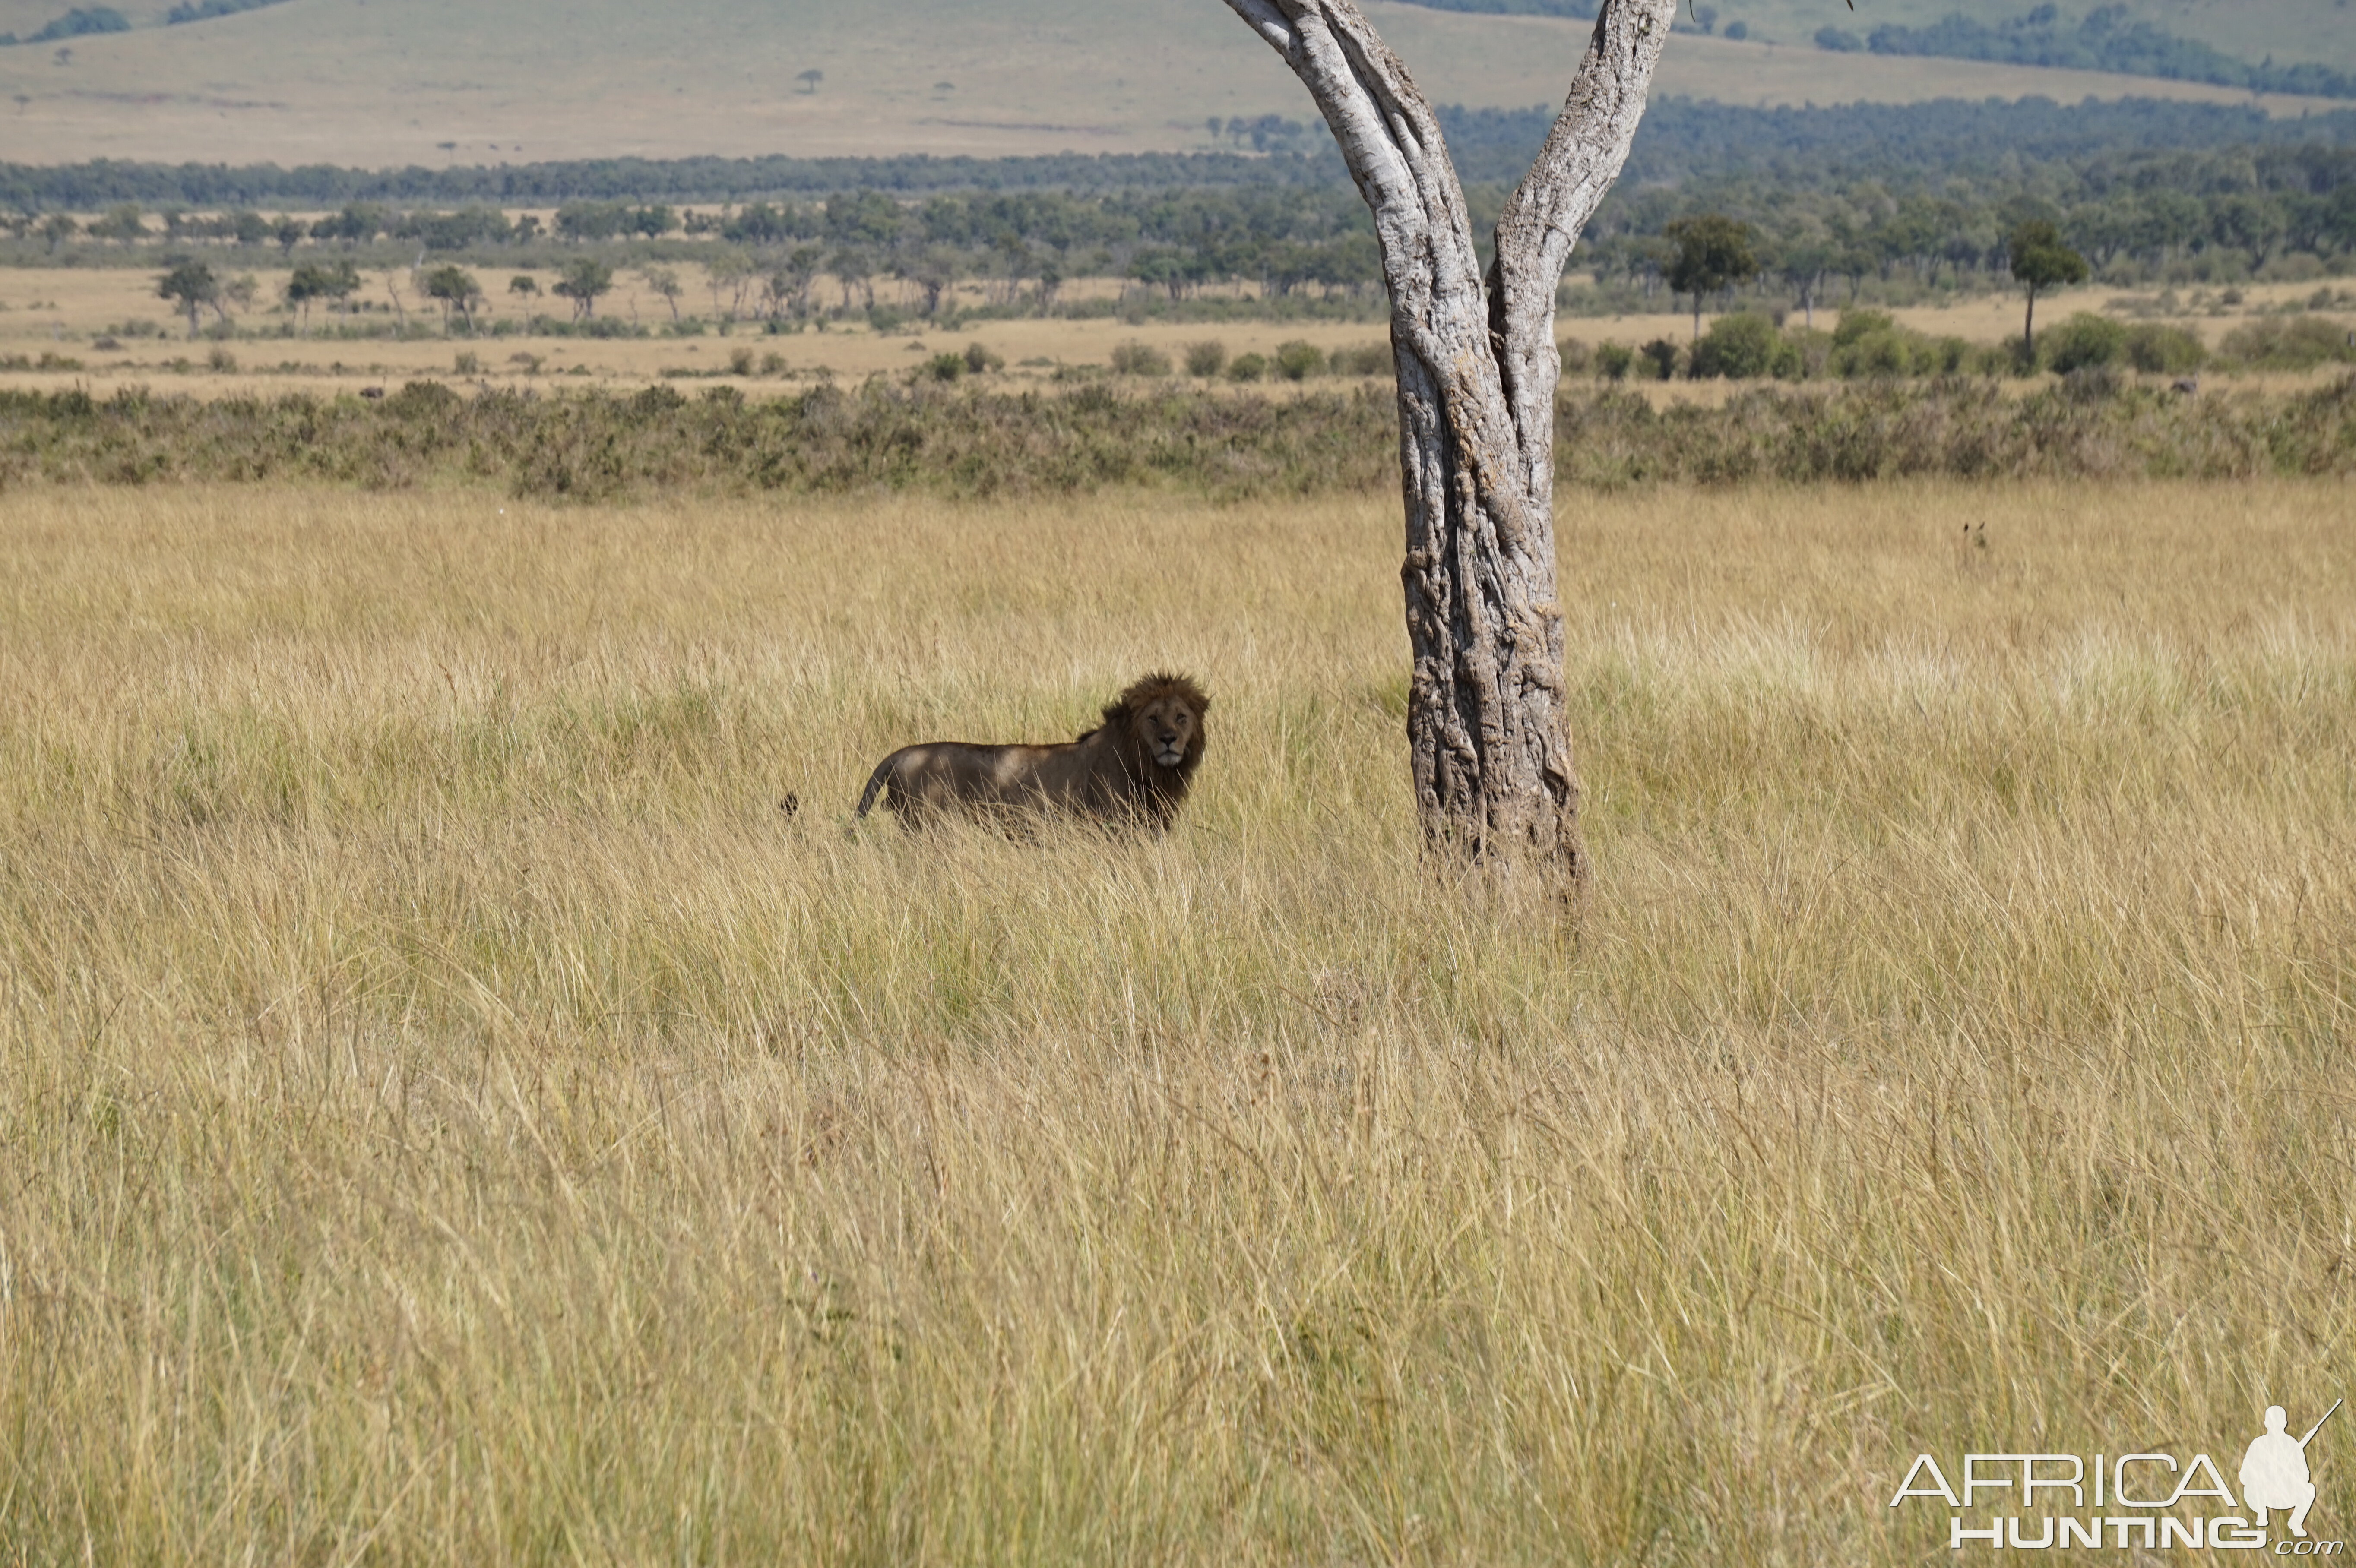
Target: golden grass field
x=59, y=310
x=451, y=1116
x=433, y=82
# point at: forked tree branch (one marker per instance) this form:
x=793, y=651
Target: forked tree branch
x=1391, y=142
x=1393, y=147
x=1488, y=739
x=1584, y=151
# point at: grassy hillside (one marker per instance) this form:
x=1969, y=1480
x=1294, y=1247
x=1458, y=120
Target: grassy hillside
x=2322, y=30
x=434, y=81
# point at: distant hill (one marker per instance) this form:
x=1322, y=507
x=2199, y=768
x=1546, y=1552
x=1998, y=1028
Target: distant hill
x=2254, y=34
x=2106, y=38
x=384, y=83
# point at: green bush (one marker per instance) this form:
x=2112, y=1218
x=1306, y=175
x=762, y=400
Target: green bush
x=1133, y=358
x=1297, y=361
x=1207, y=358
x=1740, y=348
x=945, y=367
x=1994, y=358
x=2289, y=343
x=1809, y=354
x=2161, y=350
x=1879, y=352
x=1870, y=343
x=1246, y=368
x=2083, y=342
x=1944, y=356
x=980, y=360
x=1661, y=358
x=1861, y=323
x=1612, y=360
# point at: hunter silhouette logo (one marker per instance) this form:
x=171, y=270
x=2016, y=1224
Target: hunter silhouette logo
x=2129, y=1501
x=2273, y=1472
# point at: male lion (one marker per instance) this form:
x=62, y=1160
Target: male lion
x=1134, y=767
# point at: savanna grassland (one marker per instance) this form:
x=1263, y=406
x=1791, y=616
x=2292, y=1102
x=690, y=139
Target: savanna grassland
x=451, y=1114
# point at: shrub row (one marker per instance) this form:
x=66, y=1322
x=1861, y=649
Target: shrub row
x=1295, y=361
x=1870, y=343
x=932, y=434
x=2092, y=423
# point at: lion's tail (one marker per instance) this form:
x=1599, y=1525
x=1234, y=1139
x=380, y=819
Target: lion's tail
x=877, y=781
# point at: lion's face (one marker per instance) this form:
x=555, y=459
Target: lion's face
x=1167, y=729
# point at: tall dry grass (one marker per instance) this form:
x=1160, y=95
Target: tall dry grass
x=448, y=1115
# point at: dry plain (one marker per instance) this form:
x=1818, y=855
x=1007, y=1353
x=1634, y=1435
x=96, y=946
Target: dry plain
x=62, y=311
x=452, y=1115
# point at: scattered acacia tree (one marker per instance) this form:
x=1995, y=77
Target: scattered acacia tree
x=1804, y=264
x=854, y=269
x=811, y=78
x=728, y=272
x=57, y=228
x=2040, y=261
x=582, y=281
x=1488, y=738
x=312, y=282
x=933, y=269
x=121, y=222
x=456, y=289
x=1713, y=253
x=664, y=283
x=790, y=277
x=191, y=286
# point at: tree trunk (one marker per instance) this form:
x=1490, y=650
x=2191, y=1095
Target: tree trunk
x=1488, y=734
x=2029, y=327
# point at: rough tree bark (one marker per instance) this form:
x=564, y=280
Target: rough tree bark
x=1477, y=368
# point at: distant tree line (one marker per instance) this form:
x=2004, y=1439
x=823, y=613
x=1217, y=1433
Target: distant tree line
x=2104, y=40
x=1682, y=139
x=205, y=10
x=1686, y=139
x=1827, y=199
x=2245, y=205
x=2244, y=208
x=85, y=188
x=85, y=20
x=80, y=22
